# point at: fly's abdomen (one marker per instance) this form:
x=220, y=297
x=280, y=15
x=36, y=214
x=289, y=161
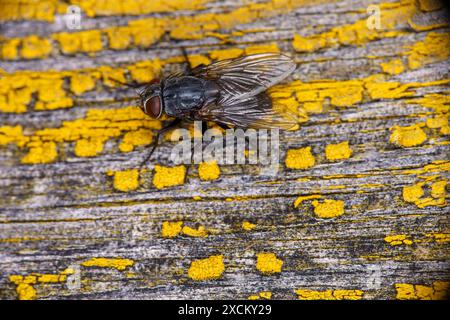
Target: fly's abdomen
x=184, y=95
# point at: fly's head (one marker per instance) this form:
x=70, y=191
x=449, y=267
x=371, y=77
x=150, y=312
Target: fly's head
x=151, y=99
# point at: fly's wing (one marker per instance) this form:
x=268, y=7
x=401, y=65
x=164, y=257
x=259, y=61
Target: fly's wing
x=246, y=76
x=257, y=112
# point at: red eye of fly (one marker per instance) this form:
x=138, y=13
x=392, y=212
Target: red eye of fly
x=152, y=107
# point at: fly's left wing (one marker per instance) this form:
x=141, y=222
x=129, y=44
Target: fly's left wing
x=257, y=112
x=246, y=76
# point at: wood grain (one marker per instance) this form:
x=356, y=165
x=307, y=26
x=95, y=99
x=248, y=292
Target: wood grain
x=64, y=218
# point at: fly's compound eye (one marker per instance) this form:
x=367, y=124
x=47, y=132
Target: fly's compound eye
x=152, y=107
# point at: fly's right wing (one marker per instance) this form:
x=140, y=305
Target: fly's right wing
x=246, y=76
x=257, y=112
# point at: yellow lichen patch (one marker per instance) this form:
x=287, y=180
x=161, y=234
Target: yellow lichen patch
x=208, y=171
x=89, y=147
x=34, y=47
x=413, y=193
x=136, y=7
x=127, y=180
x=268, y=263
x=437, y=291
x=440, y=237
x=300, y=158
x=305, y=294
x=199, y=232
x=136, y=33
x=409, y=136
x=89, y=133
x=207, y=269
x=358, y=33
x=248, y=226
x=392, y=67
x=132, y=139
x=437, y=122
x=168, y=176
x=41, y=152
x=433, y=48
x=28, y=10
x=263, y=295
x=300, y=199
x=170, y=229
x=338, y=151
x=115, y=263
x=81, y=82
x=328, y=208
x=25, y=289
x=398, y=239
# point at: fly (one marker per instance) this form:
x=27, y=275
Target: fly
x=231, y=93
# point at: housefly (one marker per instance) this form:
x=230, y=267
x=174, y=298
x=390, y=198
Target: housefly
x=231, y=93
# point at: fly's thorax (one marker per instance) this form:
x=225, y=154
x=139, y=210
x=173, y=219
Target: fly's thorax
x=187, y=94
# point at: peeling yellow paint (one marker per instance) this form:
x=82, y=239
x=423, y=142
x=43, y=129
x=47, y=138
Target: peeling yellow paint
x=328, y=208
x=300, y=158
x=409, y=136
x=207, y=269
x=437, y=291
x=338, y=151
x=171, y=229
x=208, y=171
x=305, y=294
x=115, y=263
x=169, y=176
x=268, y=263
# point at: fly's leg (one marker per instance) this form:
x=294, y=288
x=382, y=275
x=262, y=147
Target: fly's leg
x=188, y=63
x=155, y=143
x=131, y=85
x=204, y=127
x=223, y=125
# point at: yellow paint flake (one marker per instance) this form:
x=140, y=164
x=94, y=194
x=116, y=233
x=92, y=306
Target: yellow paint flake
x=300, y=199
x=171, y=229
x=392, y=67
x=398, y=239
x=207, y=269
x=300, y=158
x=115, y=263
x=208, y=171
x=305, y=294
x=127, y=180
x=338, y=151
x=437, y=291
x=199, y=232
x=328, y=208
x=409, y=136
x=248, y=226
x=263, y=295
x=169, y=177
x=268, y=263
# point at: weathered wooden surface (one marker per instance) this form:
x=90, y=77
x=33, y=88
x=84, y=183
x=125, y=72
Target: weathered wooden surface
x=72, y=206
